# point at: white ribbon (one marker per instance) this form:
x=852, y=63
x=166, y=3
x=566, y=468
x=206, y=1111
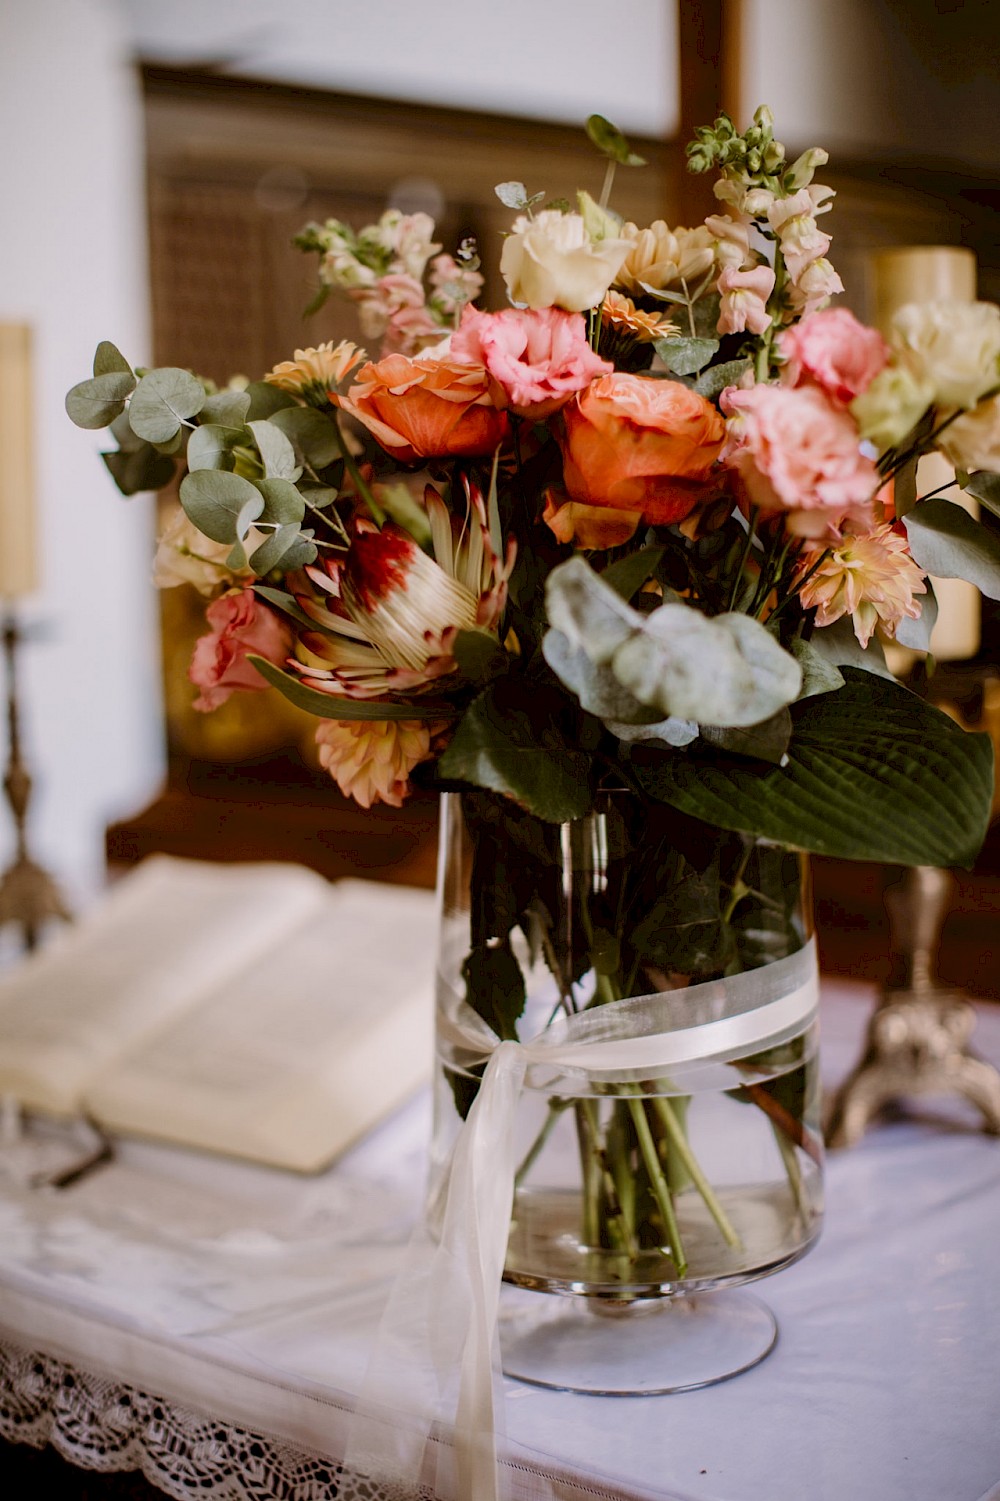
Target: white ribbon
x=436, y=1358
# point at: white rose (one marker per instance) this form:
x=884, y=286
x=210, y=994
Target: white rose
x=954, y=346
x=972, y=441
x=550, y=261
x=891, y=406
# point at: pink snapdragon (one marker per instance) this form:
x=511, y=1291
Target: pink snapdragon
x=834, y=350
x=744, y=300
x=540, y=357
x=241, y=627
x=795, y=452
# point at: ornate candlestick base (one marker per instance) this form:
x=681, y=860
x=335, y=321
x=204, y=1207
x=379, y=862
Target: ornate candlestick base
x=918, y=1036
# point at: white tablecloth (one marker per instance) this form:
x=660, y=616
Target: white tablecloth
x=248, y=1298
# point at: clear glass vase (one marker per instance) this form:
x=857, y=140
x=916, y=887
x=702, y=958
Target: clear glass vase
x=657, y=1194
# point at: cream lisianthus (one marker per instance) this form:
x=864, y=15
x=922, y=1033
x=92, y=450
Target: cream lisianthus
x=870, y=577
x=972, y=441
x=890, y=407
x=184, y=555
x=371, y=760
x=387, y=615
x=952, y=346
x=313, y=373
x=551, y=261
x=661, y=257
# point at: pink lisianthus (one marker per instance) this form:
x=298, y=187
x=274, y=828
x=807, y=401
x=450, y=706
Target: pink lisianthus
x=744, y=297
x=241, y=627
x=835, y=351
x=794, y=451
x=540, y=357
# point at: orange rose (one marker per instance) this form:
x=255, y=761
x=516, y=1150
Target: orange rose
x=589, y=527
x=425, y=408
x=639, y=444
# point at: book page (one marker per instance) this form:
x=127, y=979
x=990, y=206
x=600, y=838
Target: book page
x=164, y=936
x=304, y=1049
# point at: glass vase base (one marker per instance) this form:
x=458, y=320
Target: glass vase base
x=640, y=1348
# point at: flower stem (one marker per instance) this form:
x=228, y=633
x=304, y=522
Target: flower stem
x=792, y=1171
x=680, y=1144
x=609, y=177
x=360, y=483
x=657, y=1182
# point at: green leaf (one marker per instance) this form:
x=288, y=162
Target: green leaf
x=767, y=741
x=139, y=469
x=274, y=550
x=110, y=361
x=686, y=356
x=819, y=674
x=479, y=655
x=97, y=402
x=713, y=381
x=946, y=542
x=214, y=500
x=163, y=400
x=227, y=408
x=282, y=502
x=275, y=450
x=839, y=646
x=312, y=435
x=329, y=706
x=628, y=575
x=916, y=634
x=610, y=141
x=265, y=400
x=210, y=446
x=706, y=315
x=287, y=604
x=497, y=747
x=904, y=487
x=494, y=988
x=249, y=513
x=873, y=773
x=986, y=488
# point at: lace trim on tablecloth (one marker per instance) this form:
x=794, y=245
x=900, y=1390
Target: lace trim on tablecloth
x=105, y=1425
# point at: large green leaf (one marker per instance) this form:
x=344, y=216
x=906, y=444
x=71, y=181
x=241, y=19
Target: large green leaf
x=873, y=773
x=163, y=400
x=946, y=542
x=328, y=706
x=497, y=747
x=97, y=402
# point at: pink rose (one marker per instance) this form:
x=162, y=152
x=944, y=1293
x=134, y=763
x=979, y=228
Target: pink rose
x=836, y=351
x=540, y=357
x=795, y=451
x=241, y=625
x=744, y=297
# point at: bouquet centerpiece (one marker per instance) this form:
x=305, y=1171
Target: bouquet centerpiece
x=615, y=565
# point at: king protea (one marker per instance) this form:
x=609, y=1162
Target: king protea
x=388, y=613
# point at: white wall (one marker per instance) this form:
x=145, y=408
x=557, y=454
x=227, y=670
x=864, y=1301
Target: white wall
x=73, y=264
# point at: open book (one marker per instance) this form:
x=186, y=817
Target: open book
x=249, y=1009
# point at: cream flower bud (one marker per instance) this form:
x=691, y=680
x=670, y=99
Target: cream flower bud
x=550, y=261
x=972, y=441
x=661, y=257
x=892, y=405
x=953, y=346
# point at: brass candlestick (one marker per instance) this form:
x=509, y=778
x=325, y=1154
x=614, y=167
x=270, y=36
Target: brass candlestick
x=29, y=896
x=918, y=1036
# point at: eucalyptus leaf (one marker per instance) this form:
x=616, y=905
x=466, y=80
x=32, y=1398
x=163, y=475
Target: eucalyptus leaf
x=301, y=551
x=332, y=706
x=947, y=542
x=97, y=402
x=916, y=634
x=213, y=499
x=611, y=142
x=121, y=431
x=498, y=749
x=686, y=356
x=210, y=446
x=163, y=400
x=139, y=469
x=873, y=773
x=595, y=685
x=512, y=194
x=706, y=315
x=312, y=435
x=282, y=502
x=712, y=382
x=819, y=674
x=109, y=361
x=588, y=612
x=273, y=550
x=236, y=558
x=227, y=408
x=839, y=646
x=767, y=741
x=174, y=444
x=672, y=732
x=265, y=400
x=985, y=486
x=318, y=497
x=276, y=451
x=249, y=513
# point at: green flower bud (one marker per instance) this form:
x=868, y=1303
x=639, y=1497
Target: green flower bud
x=764, y=118
x=753, y=160
x=774, y=155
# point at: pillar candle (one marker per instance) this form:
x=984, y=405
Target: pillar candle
x=935, y=273
x=18, y=562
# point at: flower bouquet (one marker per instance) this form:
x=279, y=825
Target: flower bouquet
x=613, y=567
